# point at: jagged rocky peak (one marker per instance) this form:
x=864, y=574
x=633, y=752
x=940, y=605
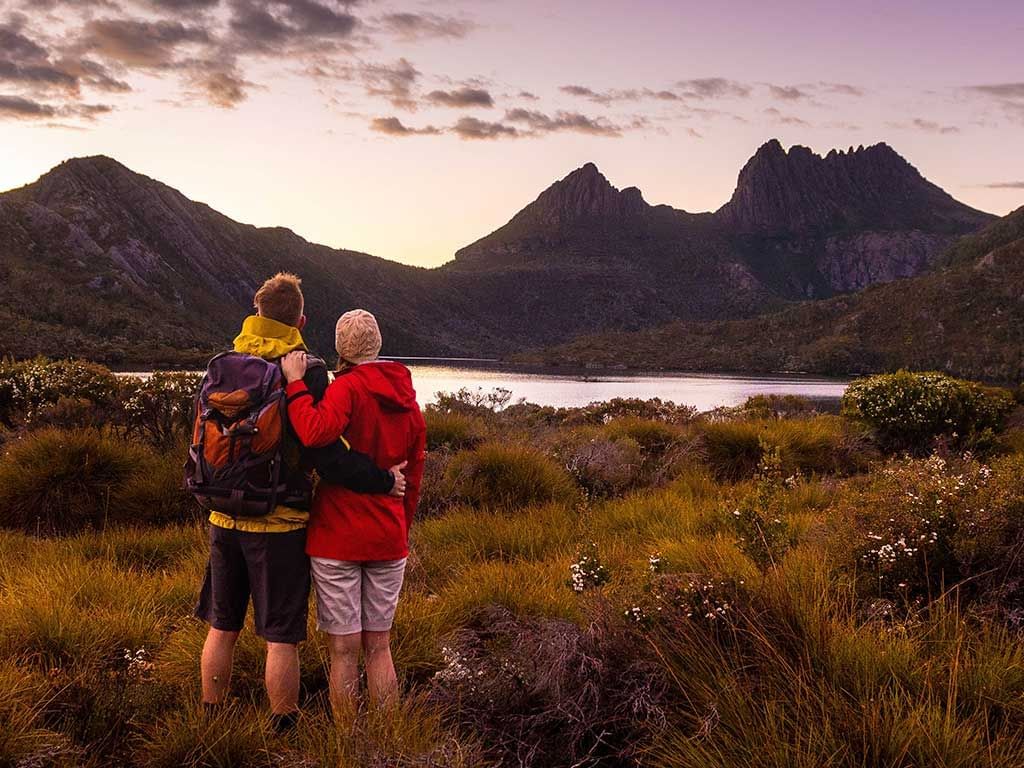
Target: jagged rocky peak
x=864, y=187
x=583, y=194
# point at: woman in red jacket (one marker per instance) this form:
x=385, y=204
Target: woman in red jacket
x=358, y=543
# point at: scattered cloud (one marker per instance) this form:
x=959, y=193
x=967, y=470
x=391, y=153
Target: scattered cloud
x=473, y=128
x=410, y=27
x=610, y=96
x=787, y=92
x=1000, y=90
x=394, y=82
x=713, y=88
x=843, y=89
x=1004, y=185
x=528, y=96
x=1007, y=96
x=540, y=122
x=785, y=119
x=392, y=126
x=146, y=44
x=21, y=108
x=462, y=97
x=927, y=126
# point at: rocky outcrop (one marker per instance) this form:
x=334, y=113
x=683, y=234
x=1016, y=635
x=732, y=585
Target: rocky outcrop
x=865, y=188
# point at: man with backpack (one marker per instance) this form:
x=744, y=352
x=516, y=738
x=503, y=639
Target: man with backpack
x=249, y=470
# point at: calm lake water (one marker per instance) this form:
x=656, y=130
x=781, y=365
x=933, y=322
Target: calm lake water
x=568, y=389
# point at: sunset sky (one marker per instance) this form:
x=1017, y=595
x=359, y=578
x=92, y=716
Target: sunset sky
x=410, y=129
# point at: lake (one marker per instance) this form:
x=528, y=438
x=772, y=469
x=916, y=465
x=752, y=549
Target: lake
x=571, y=388
x=575, y=388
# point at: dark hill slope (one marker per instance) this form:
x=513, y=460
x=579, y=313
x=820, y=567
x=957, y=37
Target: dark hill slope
x=967, y=319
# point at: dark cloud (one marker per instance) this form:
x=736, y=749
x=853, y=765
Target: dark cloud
x=472, y=128
x=528, y=96
x=43, y=75
x=19, y=108
x=540, y=122
x=418, y=26
x=787, y=92
x=18, y=47
x=462, y=97
x=1005, y=185
x=713, y=88
x=392, y=126
x=147, y=44
x=184, y=5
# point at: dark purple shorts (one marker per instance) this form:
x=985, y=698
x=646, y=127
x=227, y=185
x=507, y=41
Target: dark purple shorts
x=270, y=568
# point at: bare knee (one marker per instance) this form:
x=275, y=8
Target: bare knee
x=221, y=639
x=345, y=647
x=375, y=643
x=282, y=649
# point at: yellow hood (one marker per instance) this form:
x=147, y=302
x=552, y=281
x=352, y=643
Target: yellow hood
x=267, y=338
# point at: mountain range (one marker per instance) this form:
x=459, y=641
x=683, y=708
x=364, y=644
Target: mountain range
x=100, y=262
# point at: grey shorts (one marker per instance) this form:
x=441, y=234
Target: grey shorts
x=356, y=597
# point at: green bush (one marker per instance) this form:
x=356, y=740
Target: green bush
x=605, y=468
x=55, y=481
x=453, y=430
x=496, y=475
x=909, y=411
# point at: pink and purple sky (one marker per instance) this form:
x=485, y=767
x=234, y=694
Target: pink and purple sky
x=409, y=129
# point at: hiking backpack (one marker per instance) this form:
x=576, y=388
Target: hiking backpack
x=235, y=461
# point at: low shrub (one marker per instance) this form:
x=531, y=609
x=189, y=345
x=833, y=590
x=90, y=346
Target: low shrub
x=542, y=692
x=511, y=476
x=159, y=409
x=605, y=468
x=909, y=411
x=28, y=389
x=929, y=525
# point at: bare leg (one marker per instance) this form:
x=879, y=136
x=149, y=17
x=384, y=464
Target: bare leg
x=218, y=652
x=381, y=679
x=344, y=671
x=283, y=677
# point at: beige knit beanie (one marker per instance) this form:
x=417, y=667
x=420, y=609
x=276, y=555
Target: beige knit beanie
x=357, y=337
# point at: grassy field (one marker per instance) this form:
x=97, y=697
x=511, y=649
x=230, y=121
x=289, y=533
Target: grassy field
x=627, y=584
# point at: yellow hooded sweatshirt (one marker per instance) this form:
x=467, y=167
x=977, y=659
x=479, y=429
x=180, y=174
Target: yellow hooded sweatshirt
x=270, y=340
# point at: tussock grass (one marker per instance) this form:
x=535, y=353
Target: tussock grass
x=62, y=481
x=507, y=476
x=453, y=430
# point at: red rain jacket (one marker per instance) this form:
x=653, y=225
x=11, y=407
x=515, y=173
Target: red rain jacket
x=374, y=406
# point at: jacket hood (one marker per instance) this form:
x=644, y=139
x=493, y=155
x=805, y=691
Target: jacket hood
x=389, y=382
x=267, y=338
